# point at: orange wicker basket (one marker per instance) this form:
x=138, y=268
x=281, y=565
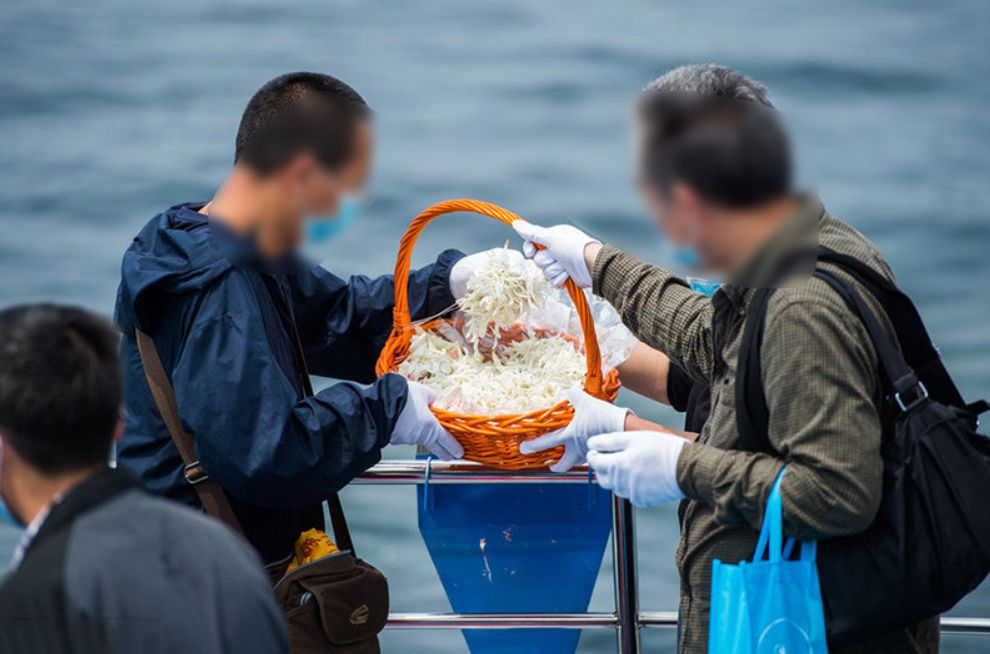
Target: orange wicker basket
x=492, y=440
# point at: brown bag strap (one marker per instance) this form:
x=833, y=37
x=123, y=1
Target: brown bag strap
x=341, y=532
x=211, y=494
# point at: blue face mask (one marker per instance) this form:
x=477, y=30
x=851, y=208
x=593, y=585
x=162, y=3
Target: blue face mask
x=321, y=231
x=704, y=286
x=685, y=257
x=6, y=517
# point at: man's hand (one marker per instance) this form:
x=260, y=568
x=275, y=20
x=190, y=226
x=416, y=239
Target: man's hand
x=640, y=466
x=418, y=426
x=564, y=255
x=591, y=416
x=464, y=269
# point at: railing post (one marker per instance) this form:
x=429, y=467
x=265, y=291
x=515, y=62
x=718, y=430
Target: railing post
x=626, y=589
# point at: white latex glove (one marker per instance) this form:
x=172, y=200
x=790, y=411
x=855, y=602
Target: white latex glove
x=464, y=269
x=640, y=466
x=418, y=426
x=564, y=253
x=591, y=416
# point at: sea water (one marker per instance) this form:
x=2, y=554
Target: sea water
x=111, y=110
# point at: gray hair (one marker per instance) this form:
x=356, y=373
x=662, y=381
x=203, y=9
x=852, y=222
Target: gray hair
x=711, y=79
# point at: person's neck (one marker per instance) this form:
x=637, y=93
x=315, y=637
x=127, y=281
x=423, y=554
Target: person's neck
x=760, y=224
x=29, y=491
x=251, y=207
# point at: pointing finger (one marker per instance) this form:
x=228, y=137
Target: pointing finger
x=540, y=443
x=530, y=232
x=568, y=461
x=450, y=446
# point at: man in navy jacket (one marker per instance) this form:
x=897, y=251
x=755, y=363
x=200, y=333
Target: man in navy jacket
x=217, y=284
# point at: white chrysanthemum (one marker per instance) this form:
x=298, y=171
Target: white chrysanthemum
x=517, y=377
x=520, y=377
x=500, y=294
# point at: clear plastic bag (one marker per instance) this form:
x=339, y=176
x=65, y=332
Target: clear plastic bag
x=615, y=341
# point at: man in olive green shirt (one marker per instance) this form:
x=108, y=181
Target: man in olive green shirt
x=716, y=171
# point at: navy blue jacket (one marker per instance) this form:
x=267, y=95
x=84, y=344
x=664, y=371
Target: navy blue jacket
x=222, y=327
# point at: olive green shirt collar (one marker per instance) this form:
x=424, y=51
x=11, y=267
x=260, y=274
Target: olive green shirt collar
x=792, y=247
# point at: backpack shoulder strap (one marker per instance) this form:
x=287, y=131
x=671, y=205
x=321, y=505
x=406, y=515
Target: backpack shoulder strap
x=916, y=344
x=752, y=413
x=212, y=496
x=897, y=375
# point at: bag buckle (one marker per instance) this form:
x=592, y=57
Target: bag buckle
x=921, y=397
x=194, y=473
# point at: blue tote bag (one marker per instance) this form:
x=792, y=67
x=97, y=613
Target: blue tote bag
x=771, y=606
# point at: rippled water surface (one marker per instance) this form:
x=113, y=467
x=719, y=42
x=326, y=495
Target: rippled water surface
x=112, y=110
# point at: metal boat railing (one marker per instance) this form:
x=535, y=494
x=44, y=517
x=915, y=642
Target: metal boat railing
x=627, y=620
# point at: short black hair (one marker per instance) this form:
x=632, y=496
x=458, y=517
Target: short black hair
x=733, y=151
x=296, y=113
x=60, y=386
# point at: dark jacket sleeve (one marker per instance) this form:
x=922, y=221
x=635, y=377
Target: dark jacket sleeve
x=253, y=434
x=679, y=386
x=344, y=325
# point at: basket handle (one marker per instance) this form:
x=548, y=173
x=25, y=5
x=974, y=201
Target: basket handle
x=402, y=320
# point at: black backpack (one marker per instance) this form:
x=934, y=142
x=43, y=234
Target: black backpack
x=929, y=544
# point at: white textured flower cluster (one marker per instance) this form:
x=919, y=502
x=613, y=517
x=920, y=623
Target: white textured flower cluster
x=514, y=377
x=501, y=293
x=523, y=376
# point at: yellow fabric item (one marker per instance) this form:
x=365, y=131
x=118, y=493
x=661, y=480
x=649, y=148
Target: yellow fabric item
x=310, y=546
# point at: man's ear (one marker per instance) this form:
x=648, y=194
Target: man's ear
x=687, y=200
x=654, y=203
x=297, y=172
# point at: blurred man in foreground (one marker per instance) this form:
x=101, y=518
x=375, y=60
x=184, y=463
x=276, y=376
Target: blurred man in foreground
x=103, y=566
x=716, y=170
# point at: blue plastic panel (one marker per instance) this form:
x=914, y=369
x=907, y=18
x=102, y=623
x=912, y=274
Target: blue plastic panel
x=517, y=549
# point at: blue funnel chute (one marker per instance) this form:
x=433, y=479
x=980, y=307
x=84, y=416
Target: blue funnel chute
x=524, y=548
